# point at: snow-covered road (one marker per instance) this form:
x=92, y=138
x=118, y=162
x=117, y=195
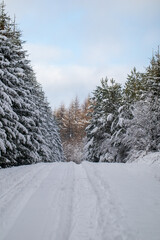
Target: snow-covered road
x=65, y=201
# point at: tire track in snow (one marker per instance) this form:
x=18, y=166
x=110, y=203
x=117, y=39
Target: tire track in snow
x=15, y=199
x=60, y=214
x=110, y=220
x=19, y=182
x=84, y=216
x=47, y=213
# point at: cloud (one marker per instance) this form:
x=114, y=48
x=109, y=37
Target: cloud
x=66, y=76
x=73, y=44
x=41, y=53
x=63, y=83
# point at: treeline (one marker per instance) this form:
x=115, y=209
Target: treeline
x=72, y=122
x=125, y=121
x=117, y=123
x=28, y=132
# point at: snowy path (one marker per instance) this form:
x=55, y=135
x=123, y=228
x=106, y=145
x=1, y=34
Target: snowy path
x=65, y=201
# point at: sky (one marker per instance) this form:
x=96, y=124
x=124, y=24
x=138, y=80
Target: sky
x=73, y=44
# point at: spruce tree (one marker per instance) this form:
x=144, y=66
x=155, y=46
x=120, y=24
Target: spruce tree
x=105, y=103
x=141, y=114
x=9, y=83
x=23, y=106
x=133, y=91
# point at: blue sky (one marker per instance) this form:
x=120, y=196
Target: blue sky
x=74, y=43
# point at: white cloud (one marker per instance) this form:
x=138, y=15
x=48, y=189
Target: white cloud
x=65, y=76
x=63, y=83
x=40, y=53
x=86, y=50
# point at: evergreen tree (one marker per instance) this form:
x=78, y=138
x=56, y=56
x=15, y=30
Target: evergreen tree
x=105, y=103
x=133, y=91
x=146, y=113
x=140, y=114
x=152, y=75
x=22, y=105
x=134, y=87
x=10, y=133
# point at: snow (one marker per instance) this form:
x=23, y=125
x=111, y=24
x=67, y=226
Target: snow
x=148, y=158
x=89, y=201
x=120, y=109
x=2, y=146
x=90, y=143
x=1, y=72
x=110, y=117
x=94, y=130
x=120, y=122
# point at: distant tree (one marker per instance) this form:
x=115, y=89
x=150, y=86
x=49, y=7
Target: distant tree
x=134, y=87
x=72, y=122
x=152, y=75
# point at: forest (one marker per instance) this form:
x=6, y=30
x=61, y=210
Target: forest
x=114, y=124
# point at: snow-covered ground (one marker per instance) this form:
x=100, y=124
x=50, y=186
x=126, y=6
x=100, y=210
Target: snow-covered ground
x=90, y=201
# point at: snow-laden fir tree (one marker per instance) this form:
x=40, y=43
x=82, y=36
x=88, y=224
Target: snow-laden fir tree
x=152, y=78
x=105, y=103
x=22, y=106
x=133, y=91
x=10, y=132
x=143, y=130
x=134, y=87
